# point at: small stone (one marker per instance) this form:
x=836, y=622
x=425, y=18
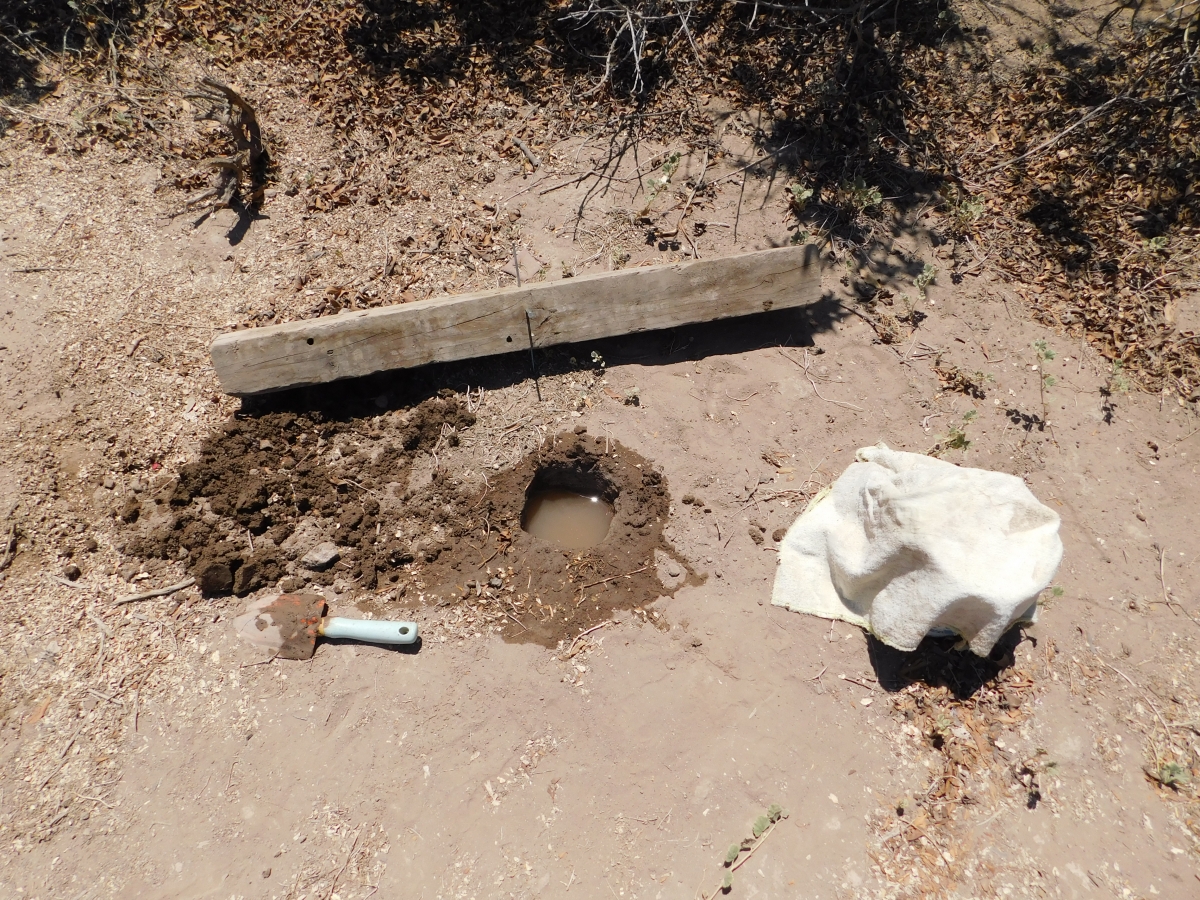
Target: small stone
x=778, y=534
x=265, y=445
x=696, y=642
x=109, y=482
x=72, y=571
x=321, y=557
x=291, y=584
x=581, y=429
x=129, y=571
x=215, y=580
x=90, y=545
x=688, y=499
x=755, y=535
x=674, y=571
x=136, y=486
x=267, y=872
x=496, y=583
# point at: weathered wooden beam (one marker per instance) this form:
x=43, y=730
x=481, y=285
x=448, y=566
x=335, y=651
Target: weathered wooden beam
x=575, y=309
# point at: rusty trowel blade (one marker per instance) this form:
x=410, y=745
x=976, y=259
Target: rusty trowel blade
x=298, y=618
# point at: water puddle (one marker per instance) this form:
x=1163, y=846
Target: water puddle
x=572, y=521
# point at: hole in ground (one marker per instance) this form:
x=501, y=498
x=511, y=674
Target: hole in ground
x=537, y=590
x=569, y=505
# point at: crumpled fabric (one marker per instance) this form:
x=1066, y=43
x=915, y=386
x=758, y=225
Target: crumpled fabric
x=906, y=545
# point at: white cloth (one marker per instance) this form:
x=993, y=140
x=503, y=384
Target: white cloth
x=906, y=545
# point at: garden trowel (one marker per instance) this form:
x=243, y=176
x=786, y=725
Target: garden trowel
x=288, y=626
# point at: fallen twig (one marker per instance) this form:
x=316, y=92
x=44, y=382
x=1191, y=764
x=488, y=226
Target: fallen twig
x=1130, y=682
x=534, y=160
x=613, y=578
x=936, y=846
x=8, y=548
x=804, y=366
x=1162, y=579
x=580, y=637
x=761, y=159
x=158, y=592
x=261, y=662
x=333, y=883
x=62, y=758
x=1047, y=144
x=688, y=205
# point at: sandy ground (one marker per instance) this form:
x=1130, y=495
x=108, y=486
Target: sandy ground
x=144, y=754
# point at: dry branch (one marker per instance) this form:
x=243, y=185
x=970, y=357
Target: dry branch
x=248, y=163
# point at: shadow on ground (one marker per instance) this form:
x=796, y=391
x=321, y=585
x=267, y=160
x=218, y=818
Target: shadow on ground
x=33, y=30
x=937, y=663
x=375, y=394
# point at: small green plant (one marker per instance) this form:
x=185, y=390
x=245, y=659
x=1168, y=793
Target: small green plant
x=598, y=361
x=925, y=279
x=1156, y=244
x=800, y=236
x=861, y=195
x=655, y=186
x=1055, y=592
x=1117, y=380
x=1170, y=774
x=800, y=195
x=968, y=210
x=740, y=852
x=956, y=438
x=1044, y=355
x=947, y=20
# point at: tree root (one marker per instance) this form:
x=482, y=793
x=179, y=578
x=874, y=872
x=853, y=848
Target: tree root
x=248, y=164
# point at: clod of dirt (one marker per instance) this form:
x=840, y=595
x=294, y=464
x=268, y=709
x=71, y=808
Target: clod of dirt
x=230, y=514
x=130, y=510
x=215, y=579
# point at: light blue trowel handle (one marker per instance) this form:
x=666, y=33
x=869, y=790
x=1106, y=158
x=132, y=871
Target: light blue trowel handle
x=370, y=630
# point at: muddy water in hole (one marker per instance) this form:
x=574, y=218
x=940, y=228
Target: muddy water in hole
x=570, y=520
